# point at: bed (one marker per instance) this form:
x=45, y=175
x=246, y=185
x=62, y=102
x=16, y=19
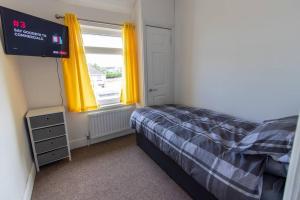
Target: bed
x=201, y=150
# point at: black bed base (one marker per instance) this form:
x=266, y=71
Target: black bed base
x=194, y=189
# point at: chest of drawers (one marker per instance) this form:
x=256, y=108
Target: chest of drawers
x=48, y=135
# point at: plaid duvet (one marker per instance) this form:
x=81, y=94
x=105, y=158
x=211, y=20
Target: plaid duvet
x=204, y=144
x=273, y=138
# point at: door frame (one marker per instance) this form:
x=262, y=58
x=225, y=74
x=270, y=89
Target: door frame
x=146, y=87
x=292, y=185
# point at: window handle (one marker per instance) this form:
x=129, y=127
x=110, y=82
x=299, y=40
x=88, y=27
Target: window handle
x=153, y=90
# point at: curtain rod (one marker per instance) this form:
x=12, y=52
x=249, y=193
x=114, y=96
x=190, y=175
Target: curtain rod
x=57, y=16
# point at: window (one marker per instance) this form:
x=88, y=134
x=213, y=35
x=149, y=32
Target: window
x=104, y=54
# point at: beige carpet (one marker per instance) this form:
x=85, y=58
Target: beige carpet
x=113, y=170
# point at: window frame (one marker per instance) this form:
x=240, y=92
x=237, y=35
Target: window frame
x=104, y=31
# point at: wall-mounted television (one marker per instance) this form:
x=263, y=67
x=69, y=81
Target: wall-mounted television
x=27, y=35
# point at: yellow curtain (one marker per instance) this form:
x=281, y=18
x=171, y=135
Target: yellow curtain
x=130, y=87
x=79, y=91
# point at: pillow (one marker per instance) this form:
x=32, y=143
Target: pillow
x=273, y=138
x=276, y=168
x=281, y=119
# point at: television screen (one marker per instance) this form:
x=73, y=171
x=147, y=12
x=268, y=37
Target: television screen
x=24, y=34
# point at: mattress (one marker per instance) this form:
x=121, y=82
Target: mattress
x=273, y=187
x=203, y=143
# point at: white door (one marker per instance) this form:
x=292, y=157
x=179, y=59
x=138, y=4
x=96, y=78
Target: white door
x=159, y=70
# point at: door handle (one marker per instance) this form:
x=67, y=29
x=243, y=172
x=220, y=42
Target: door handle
x=153, y=90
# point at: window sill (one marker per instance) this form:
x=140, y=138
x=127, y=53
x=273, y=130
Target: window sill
x=111, y=107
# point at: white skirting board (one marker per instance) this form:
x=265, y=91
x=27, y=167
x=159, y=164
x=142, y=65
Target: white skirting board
x=111, y=136
x=78, y=143
x=30, y=183
x=82, y=142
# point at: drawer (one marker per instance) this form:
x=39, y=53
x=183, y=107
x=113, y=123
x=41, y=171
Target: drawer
x=45, y=133
x=46, y=120
x=48, y=145
x=52, y=156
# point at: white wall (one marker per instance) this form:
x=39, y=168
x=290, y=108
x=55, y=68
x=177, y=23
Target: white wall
x=155, y=13
x=239, y=57
x=158, y=12
x=15, y=157
x=39, y=74
x=137, y=16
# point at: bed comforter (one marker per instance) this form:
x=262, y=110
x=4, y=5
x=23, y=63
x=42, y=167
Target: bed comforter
x=204, y=143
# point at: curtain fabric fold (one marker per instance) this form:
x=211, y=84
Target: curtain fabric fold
x=130, y=88
x=78, y=88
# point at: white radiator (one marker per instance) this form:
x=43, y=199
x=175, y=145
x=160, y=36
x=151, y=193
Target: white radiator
x=104, y=123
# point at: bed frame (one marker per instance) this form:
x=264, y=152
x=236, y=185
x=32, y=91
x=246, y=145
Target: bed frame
x=194, y=189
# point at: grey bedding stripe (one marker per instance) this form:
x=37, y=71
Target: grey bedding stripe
x=273, y=138
x=204, y=144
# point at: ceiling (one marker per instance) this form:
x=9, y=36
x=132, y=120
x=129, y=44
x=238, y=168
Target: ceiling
x=122, y=6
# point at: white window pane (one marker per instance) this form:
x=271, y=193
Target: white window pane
x=106, y=76
x=102, y=41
